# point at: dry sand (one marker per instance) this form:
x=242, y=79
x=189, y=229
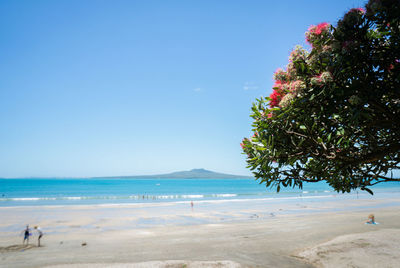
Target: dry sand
x=312, y=236
x=371, y=249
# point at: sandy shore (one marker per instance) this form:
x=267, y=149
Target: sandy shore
x=246, y=234
x=371, y=249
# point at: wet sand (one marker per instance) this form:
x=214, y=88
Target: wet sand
x=311, y=233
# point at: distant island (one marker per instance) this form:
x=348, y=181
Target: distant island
x=199, y=173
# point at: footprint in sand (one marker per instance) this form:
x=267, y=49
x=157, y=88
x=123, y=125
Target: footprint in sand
x=14, y=248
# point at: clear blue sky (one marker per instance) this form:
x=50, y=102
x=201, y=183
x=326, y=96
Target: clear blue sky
x=92, y=88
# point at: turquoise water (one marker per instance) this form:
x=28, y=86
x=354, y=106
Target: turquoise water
x=38, y=192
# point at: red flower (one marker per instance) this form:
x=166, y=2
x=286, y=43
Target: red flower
x=314, y=32
x=321, y=28
x=275, y=99
x=277, y=85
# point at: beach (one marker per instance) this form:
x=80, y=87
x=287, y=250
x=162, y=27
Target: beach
x=324, y=231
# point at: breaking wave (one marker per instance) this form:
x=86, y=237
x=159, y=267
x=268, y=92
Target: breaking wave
x=130, y=197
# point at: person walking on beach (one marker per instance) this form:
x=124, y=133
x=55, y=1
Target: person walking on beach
x=40, y=233
x=26, y=235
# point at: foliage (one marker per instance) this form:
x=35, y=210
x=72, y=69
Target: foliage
x=334, y=113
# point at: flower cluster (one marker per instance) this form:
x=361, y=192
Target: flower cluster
x=317, y=32
x=322, y=27
x=326, y=77
x=280, y=89
x=297, y=54
x=281, y=75
x=297, y=86
x=286, y=100
x=275, y=98
x=321, y=79
x=290, y=83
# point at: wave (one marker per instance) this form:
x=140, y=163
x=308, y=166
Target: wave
x=173, y=202
x=224, y=195
x=161, y=197
x=131, y=197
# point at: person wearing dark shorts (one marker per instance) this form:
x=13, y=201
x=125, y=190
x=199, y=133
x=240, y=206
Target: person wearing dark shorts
x=26, y=235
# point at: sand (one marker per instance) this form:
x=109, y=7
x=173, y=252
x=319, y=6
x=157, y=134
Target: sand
x=371, y=249
x=156, y=264
x=245, y=234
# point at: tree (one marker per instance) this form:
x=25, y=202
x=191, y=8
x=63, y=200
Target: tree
x=334, y=113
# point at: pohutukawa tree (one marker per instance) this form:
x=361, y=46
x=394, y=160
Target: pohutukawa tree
x=334, y=113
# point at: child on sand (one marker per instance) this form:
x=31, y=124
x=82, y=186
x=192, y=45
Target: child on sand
x=40, y=233
x=26, y=235
x=371, y=219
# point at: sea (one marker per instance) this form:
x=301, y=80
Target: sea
x=50, y=192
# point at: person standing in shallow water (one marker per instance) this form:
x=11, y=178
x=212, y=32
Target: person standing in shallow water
x=26, y=235
x=40, y=233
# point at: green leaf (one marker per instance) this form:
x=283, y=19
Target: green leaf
x=339, y=141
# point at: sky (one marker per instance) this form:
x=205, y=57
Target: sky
x=104, y=88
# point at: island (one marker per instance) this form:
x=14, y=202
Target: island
x=199, y=173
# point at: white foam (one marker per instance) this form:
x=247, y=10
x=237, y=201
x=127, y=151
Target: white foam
x=25, y=199
x=224, y=195
x=73, y=198
x=192, y=196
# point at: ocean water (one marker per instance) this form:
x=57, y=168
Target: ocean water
x=43, y=192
